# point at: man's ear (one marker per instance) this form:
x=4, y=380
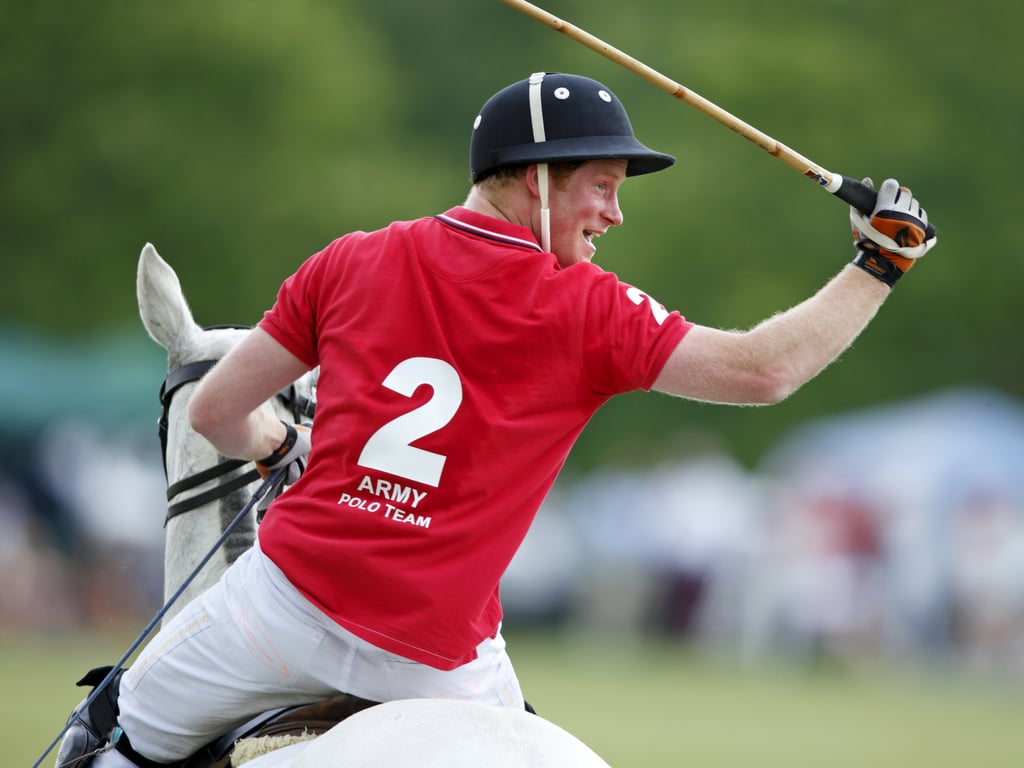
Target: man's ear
x=532, y=183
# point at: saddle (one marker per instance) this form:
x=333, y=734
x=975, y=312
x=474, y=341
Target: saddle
x=303, y=720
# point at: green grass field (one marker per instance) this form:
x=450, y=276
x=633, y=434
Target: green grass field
x=647, y=706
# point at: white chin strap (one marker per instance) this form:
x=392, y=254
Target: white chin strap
x=537, y=119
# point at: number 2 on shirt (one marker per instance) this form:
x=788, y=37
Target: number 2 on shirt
x=390, y=448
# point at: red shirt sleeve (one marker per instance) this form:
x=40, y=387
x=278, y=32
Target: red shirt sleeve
x=627, y=336
x=292, y=319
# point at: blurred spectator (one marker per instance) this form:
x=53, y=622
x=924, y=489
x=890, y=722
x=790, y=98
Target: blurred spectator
x=987, y=582
x=36, y=593
x=905, y=462
x=819, y=591
x=83, y=536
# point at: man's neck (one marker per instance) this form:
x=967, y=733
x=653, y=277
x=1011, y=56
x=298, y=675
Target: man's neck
x=499, y=208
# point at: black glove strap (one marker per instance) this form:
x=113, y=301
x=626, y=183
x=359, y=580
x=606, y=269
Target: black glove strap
x=876, y=265
x=282, y=450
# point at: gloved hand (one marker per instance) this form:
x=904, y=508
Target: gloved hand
x=290, y=453
x=894, y=235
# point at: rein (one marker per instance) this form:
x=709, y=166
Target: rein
x=300, y=406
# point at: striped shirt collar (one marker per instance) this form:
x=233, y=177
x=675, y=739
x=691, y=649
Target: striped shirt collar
x=489, y=228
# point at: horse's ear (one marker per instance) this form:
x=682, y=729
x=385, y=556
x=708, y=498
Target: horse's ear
x=162, y=304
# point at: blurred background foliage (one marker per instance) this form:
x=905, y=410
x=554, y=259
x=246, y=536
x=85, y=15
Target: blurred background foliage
x=239, y=137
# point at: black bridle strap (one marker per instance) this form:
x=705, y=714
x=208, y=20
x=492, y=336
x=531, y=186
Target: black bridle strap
x=176, y=379
x=186, y=374
x=301, y=407
x=187, y=505
x=189, y=372
x=204, y=477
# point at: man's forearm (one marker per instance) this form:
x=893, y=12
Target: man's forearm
x=812, y=334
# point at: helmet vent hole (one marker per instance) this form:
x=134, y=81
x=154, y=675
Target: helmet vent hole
x=605, y=96
x=561, y=94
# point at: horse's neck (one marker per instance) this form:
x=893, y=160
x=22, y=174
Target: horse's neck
x=190, y=536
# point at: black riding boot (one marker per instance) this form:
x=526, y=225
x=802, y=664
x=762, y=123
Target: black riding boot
x=91, y=728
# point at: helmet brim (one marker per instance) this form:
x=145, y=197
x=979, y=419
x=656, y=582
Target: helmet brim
x=640, y=159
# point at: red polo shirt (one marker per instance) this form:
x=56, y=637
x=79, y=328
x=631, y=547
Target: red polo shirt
x=458, y=365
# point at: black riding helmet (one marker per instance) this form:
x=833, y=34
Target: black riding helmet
x=578, y=119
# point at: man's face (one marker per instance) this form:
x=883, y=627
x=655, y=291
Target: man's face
x=584, y=205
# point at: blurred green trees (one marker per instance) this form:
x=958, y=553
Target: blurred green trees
x=239, y=137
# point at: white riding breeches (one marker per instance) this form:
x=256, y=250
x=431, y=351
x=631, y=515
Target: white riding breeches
x=252, y=643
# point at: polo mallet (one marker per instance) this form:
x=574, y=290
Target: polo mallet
x=853, y=192
x=273, y=480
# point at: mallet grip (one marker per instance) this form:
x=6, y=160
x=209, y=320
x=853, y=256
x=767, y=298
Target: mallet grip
x=858, y=194
x=863, y=198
